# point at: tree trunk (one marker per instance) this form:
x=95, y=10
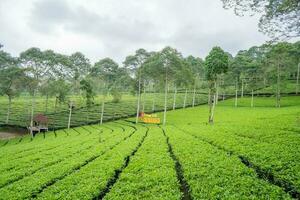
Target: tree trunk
x=298, y=74
x=70, y=114
x=144, y=97
x=138, y=101
x=214, y=103
x=55, y=105
x=217, y=92
x=185, y=96
x=153, y=104
x=252, y=98
x=32, y=113
x=46, y=106
x=242, y=93
x=236, y=94
x=209, y=97
x=174, y=99
x=166, y=96
x=278, y=87
x=8, y=109
x=102, y=110
x=212, y=100
x=223, y=96
x=194, y=96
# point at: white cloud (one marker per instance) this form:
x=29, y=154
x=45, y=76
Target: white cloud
x=111, y=28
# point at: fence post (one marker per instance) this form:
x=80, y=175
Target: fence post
x=70, y=114
x=185, y=96
x=194, y=96
x=174, y=98
x=102, y=112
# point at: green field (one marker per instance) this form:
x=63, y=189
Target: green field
x=82, y=115
x=249, y=153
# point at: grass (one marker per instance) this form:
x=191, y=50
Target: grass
x=249, y=153
x=82, y=115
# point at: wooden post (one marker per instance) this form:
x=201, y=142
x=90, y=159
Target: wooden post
x=166, y=96
x=185, y=96
x=102, y=110
x=138, y=100
x=252, y=98
x=153, y=104
x=236, y=93
x=144, y=97
x=32, y=113
x=8, y=110
x=242, y=93
x=47, y=100
x=174, y=98
x=298, y=74
x=278, y=86
x=217, y=92
x=70, y=114
x=194, y=95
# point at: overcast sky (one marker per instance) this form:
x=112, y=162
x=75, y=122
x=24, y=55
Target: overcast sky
x=116, y=28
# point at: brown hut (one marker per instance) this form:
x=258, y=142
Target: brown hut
x=40, y=123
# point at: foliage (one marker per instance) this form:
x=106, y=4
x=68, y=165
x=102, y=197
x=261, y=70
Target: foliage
x=280, y=18
x=86, y=86
x=216, y=63
x=81, y=163
x=11, y=81
x=117, y=96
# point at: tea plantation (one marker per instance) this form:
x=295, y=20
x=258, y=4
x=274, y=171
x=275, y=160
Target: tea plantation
x=248, y=153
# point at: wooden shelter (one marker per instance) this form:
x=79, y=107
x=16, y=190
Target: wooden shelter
x=40, y=123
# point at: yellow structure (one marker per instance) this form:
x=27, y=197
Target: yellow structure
x=149, y=119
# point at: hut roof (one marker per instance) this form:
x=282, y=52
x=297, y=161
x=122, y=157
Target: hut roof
x=40, y=118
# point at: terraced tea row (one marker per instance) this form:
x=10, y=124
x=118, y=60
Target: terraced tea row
x=253, y=154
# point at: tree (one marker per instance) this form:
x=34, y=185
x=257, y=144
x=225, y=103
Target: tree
x=6, y=60
x=295, y=53
x=215, y=63
x=165, y=66
x=38, y=66
x=113, y=76
x=86, y=86
x=80, y=67
x=11, y=85
x=279, y=57
x=280, y=19
x=239, y=67
x=196, y=66
x=133, y=64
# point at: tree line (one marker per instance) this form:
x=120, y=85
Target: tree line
x=52, y=74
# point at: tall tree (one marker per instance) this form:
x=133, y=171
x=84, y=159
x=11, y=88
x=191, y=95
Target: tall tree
x=37, y=68
x=80, y=67
x=86, y=86
x=11, y=85
x=6, y=60
x=279, y=57
x=196, y=66
x=215, y=63
x=133, y=64
x=295, y=53
x=165, y=66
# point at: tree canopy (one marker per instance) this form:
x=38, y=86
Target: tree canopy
x=280, y=18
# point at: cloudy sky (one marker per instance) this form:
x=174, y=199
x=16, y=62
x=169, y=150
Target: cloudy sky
x=116, y=28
